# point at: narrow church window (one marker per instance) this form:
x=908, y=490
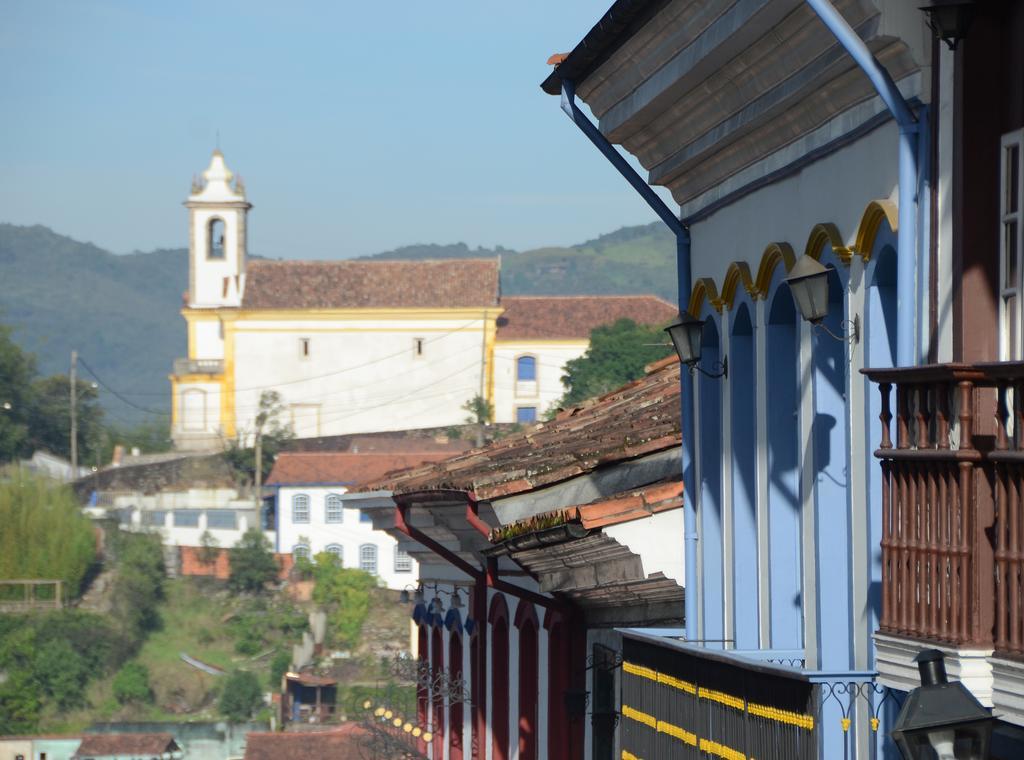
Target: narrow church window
x=215, y=239
x=417, y=346
x=304, y=348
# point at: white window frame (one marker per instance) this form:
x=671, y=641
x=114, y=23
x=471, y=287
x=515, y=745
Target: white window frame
x=301, y=551
x=338, y=551
x=403, y=561
x=364, y=562
x=536, y=414
x=1011, y=341
x=331, y=502
x=303, y=500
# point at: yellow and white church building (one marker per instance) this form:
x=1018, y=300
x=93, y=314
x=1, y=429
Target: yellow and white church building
x=358, y=346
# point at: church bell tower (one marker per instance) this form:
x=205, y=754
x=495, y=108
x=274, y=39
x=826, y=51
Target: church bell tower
x=217, y=211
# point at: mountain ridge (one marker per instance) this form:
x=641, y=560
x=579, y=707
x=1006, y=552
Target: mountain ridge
x=121, y=311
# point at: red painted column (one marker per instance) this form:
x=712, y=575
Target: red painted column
x=526, y=622
x=437, y=665
x=455, y=710
x=423, y=643
x=558, y=682
x=498, y=619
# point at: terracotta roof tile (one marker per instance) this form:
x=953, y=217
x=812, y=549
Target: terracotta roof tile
x=637, y=419
x=337, y=744
x=321, y=467
x=442, y=284
x=552, y=317
x=100, y=745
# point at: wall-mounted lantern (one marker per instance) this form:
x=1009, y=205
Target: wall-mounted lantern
x=950, y=19
x=808, y=282
x=942, y=719
x=686, y=334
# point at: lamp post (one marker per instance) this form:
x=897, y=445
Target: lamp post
x=808, y=282
x=686, y=334
x=950, y=19
x=941, y=720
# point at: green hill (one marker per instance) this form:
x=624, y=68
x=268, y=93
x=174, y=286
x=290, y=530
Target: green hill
x=121, y=311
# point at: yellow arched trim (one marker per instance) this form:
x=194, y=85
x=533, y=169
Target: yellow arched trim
x=875, y=213
x=704, y=289
x=737, y=272
x=774, y=254
x=824, y=234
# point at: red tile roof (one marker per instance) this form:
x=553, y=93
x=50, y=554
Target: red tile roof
x=102, y=745
x=352, y=470
x=442, y=284
x=552, y=317
x=639, y=418
x=343, y=743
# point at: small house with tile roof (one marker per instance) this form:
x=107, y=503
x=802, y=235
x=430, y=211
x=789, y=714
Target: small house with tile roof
x=359, y=346
x=318, y=497
x=534, y=552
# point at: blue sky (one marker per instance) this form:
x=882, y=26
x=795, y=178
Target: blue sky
x=358, y=127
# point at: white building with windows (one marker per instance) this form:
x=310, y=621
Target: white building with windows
x=359, y=346
x=312, y=512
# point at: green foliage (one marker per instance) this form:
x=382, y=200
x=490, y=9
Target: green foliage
x=17, y=369
x=150, y=437
x=252, y=564
x=209, y=548
x=51, y=420
x=131, y=684
x=345, y=593
x=240, y=696
x=481, y=411
x=617, y=354
x=272, y=432
x=139, y=586
x=49, y=659
x=45, y=534
x=278, y=667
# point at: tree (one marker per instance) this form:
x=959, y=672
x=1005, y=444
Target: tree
x=252, y=564
x=51, y=422
x=617, y=354
x=345, y=592
x=241, y=696
x=17, y=368
x=139, y=585
x=209, y=548
x=481, y=411
x=131, y=684
x=269, y=435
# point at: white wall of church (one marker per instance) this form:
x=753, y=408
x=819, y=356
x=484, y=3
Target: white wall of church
x=199, y=407
x=210, y=272
x=359, y=375
x=511, y=393
x=209, y=341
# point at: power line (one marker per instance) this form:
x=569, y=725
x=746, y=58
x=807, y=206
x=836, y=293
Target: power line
x=132, y=404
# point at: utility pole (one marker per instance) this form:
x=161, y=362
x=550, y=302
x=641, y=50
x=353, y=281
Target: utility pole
x=259, y=465
x=74, y=413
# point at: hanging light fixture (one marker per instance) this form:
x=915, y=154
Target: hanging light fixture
x=942, y=719
x=808, y=283
x=949, y=19
x=687, y=334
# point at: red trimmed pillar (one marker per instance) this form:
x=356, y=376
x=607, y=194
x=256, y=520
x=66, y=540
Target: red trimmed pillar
x=498, y=619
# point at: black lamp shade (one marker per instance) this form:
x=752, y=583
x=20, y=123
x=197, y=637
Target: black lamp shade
x=950, y=19
x=942, y=720
x=808, y=282
x=686, y=334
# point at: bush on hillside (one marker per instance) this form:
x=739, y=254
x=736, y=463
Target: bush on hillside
x=139, y=586
x=45, y=534
x=345, y=593
x=240, y=696
x=131, y=684
x=252, y=564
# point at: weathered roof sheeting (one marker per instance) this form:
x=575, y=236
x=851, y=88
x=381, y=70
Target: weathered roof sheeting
x=554, y=317
x=448, y=284
x=639, y=418
x=121, y=745
x=345, y=741
x=351, y=470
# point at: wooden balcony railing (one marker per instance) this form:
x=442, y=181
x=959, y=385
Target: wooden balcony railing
x=952, y=541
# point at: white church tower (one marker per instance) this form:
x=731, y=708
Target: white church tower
x=217, y=210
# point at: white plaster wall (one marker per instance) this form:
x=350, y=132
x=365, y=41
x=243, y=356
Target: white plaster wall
x=210, y=422
x=361, y=375
x=210, y=273
x=198, y=499
x=551, y=359
x=209, y=342
x=834, y=189
x=658, y=541
x=350, y=534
